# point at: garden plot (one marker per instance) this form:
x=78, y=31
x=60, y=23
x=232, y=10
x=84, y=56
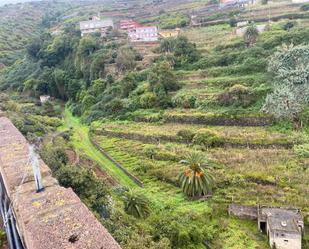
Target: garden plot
x=262, y=176
x=205, y=39
x=268, y=176
x=209, y=136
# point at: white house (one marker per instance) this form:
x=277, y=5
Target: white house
x=144, y=34
x=95, y=25
x=300, y=1
x=44, y=98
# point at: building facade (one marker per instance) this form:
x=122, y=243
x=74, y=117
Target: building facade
x=95, y=25
x=143, y=34
x=284, y=226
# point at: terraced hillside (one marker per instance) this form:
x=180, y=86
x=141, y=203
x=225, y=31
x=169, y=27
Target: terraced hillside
x=135, y=114
x=272, y=176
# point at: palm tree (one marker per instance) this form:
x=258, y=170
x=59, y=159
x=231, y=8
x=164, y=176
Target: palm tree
x=251, y=35
x=136, y=204
x=196, y=181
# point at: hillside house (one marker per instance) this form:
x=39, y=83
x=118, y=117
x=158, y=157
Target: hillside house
x=95, y=25
x=169, y=33
x=143, y=34
x=284, y=227
x=128, y=24
x=300, y=1
x=236, y=3
x=44, y=98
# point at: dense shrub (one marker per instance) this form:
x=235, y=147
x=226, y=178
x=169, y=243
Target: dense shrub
x=237, y=95
x=288, y=25
x=296, y=36
x=186, y=135
x=148, y=100
x=184, y=100
x=302, y=150
x=233, y=22
x=175, y=20
x=291, y=75
x=87, y=186
x=76, y=109
x=305, y=7
x=207, y=138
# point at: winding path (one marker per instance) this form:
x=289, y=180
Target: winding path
x=83, y=145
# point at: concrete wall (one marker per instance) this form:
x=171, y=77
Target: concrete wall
x=282, y=240
x=244, y=212
x=51, y=219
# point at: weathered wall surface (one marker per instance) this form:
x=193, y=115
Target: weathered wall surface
x=244, y=212
x=53, y=219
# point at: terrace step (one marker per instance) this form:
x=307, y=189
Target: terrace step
x=210, y=119
x=222, y=142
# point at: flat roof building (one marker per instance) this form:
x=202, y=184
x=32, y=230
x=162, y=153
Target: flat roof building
x=144, y=34
x=283, y=226
x=95, y=25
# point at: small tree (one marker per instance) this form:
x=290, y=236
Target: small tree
x=233, y=22
x=282, y=103
x=251, y=34
x=136, y=204
x=196, y=181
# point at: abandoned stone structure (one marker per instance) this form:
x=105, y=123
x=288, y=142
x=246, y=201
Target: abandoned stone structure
x=283, y=226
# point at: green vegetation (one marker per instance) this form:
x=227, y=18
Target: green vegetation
x=136, y=204
x=203, y=120
x=251, y=35
x=81, y=142
x=291, y=70
x=195, y=181
x=169, y=20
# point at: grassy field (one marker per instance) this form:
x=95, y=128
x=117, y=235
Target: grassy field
x=83, y=145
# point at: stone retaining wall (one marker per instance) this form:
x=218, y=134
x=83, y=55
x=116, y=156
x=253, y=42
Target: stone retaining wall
x=106, y=154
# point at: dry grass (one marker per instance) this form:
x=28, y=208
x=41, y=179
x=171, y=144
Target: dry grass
x=227, y=132
x=205, y=39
